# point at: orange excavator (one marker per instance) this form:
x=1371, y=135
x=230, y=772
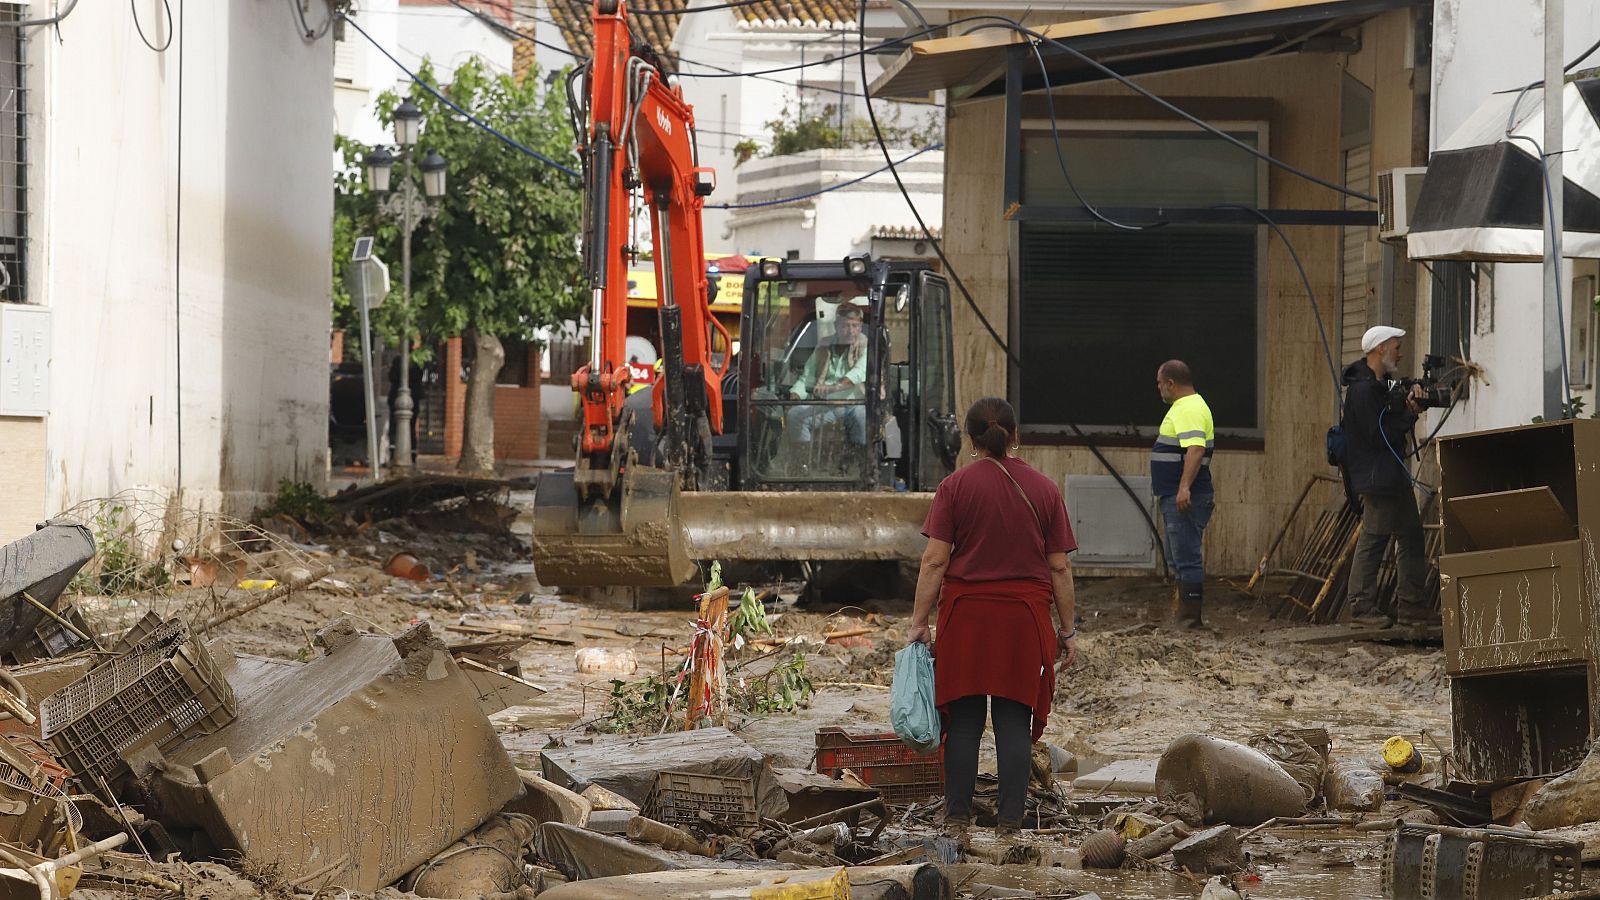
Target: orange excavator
x=840, y=360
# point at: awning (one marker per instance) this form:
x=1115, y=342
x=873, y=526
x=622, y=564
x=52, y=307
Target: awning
x=1204, y=34
x=1483, y=196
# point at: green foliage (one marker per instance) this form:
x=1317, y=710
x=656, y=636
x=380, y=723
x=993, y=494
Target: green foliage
x=298, y=500
x=785, y=688
x=799, y=130
x=745, y=149
x=501, y=254
x=749, y=619
x=639, y=705
x=715, y=581
x=118, y=567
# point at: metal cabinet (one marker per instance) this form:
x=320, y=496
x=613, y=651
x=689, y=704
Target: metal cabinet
x=1520, y=594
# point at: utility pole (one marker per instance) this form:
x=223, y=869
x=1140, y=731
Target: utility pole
x=1555, y=393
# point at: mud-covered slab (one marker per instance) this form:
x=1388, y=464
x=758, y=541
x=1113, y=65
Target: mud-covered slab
x=352, y=769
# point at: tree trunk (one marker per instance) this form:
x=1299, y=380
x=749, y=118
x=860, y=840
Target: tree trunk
x=477, y=439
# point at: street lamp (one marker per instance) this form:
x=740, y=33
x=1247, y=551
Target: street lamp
x=409, y=209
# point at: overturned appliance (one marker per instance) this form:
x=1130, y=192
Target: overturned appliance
x=1519, y=593
x=352, y=769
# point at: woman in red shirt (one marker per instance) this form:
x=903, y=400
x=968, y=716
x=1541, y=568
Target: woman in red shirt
x=998, y=539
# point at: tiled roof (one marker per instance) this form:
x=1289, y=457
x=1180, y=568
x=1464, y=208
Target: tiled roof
x=797, y=12
x=903, y=232
x=575, y=17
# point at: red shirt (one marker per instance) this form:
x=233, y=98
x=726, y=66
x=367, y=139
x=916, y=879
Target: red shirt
x=992, y=532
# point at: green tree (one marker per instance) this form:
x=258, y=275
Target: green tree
x=499, y=259
x=797, y=130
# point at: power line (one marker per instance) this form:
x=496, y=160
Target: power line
x=722, y=71
x=439, y=95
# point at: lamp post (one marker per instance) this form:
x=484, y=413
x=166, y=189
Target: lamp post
x=409, y=209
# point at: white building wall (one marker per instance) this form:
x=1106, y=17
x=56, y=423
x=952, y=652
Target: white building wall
x=1482, y=47
x=253, y=312
x=361, y=73
x=840, y=222
x=449, y=36
x=729, y=110
x=445, y=35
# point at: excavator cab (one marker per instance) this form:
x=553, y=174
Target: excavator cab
x=845, y=369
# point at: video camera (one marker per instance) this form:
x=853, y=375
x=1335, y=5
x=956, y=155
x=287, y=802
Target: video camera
x=1433, y=393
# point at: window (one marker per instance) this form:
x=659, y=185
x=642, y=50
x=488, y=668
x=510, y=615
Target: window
x=1451, y=333
x=1098, y=307
x=13, y=158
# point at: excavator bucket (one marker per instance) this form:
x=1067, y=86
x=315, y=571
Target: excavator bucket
x=633, y=539
x=814, y=526
x=659, y=533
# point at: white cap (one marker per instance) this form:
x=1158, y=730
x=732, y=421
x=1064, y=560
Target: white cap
x=1377, y=334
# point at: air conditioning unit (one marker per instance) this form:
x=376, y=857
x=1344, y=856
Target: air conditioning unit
x=1398, y=190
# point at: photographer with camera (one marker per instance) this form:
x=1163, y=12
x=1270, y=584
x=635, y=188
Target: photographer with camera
x=1379, y=412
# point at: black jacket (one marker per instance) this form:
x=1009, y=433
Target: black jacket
x=1369, y=462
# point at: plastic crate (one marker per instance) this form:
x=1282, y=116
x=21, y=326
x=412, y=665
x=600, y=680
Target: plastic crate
x=882, y=760
x=678, y=798
x=165, y=688
x=52, y=640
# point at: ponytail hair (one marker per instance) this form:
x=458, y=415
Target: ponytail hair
x=990, y=423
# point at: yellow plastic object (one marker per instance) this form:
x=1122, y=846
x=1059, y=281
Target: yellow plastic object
x=1398, y=752
x=258, y=584
x=816, y=884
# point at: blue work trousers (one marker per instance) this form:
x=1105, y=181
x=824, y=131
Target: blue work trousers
x=1184, y=531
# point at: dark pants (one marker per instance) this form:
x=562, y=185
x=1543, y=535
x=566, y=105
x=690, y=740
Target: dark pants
x=1384, y=516
x=1013, y=728
x=1185, y=533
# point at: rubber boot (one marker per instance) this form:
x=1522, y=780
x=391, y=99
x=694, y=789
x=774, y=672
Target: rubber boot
x=1190, y=596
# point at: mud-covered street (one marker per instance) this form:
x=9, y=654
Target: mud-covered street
x=1136, y=686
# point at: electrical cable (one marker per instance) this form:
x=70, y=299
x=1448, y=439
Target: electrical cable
x=307, y=33
x=1061, y=153
x=736, y=4
x=439, y=95
x=1396, y=454
x=133, y=8
x=938, y=249
x=1019, y=28
x=48, y=20
x=758, y=204
x=1316, y=312
x=177, y=259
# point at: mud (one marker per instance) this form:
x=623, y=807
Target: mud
x=1133, y=691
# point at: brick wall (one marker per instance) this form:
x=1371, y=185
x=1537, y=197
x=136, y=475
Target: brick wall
x=516, y=411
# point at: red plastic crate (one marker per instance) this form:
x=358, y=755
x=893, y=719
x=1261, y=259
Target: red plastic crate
x=882, y=760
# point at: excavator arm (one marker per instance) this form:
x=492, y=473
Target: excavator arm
x=612, y=520
x=640, y=140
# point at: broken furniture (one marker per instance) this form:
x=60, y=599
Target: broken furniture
x=1520, y=595
x=1437, y=862
x=352, y=769
x=33, y=572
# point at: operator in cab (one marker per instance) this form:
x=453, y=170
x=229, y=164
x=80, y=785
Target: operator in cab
x=836, y=371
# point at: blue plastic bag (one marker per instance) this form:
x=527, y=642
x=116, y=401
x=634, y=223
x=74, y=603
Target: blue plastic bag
x=911, y=708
